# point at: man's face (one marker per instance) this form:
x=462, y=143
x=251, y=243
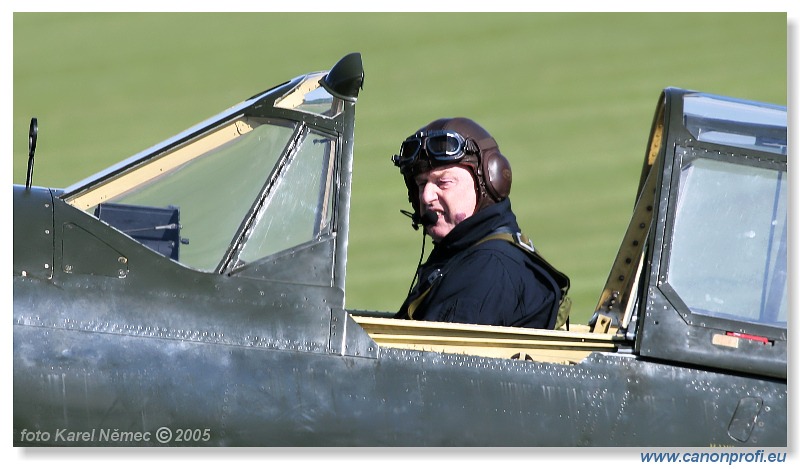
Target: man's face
x=449, y=192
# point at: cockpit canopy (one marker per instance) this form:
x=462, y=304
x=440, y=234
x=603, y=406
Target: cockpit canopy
x=716, y=291
x=239, y=188
x=729, y=234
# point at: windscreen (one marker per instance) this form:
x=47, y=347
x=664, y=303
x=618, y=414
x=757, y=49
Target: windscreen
x=213, y=182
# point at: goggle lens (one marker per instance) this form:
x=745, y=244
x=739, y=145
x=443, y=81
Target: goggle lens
x=443, y=145
x=409, y=150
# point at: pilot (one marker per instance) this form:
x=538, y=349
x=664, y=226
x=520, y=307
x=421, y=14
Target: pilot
x=482, y=269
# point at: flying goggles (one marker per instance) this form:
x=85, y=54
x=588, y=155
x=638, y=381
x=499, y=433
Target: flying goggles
x=441, y=147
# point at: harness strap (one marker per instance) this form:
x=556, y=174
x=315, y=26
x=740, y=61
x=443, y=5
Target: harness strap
x=523, y=242
x=414, y=304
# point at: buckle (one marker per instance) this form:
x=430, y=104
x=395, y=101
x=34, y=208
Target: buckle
x=434, y=276
x=524, y=242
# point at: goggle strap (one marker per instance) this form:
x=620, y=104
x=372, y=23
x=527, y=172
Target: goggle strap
x=486, y=143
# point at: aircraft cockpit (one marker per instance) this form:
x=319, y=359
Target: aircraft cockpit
x=263, y=182
x=200, y=284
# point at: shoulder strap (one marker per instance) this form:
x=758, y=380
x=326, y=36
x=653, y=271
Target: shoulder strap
x=416, y=302
x=525, y=244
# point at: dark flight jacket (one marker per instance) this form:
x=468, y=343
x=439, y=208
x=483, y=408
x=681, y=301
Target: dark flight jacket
x=467, y=279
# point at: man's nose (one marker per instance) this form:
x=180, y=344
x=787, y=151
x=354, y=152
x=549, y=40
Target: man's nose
x=427, y=193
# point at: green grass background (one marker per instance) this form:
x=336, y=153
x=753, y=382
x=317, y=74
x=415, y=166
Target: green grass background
x=568, y=96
